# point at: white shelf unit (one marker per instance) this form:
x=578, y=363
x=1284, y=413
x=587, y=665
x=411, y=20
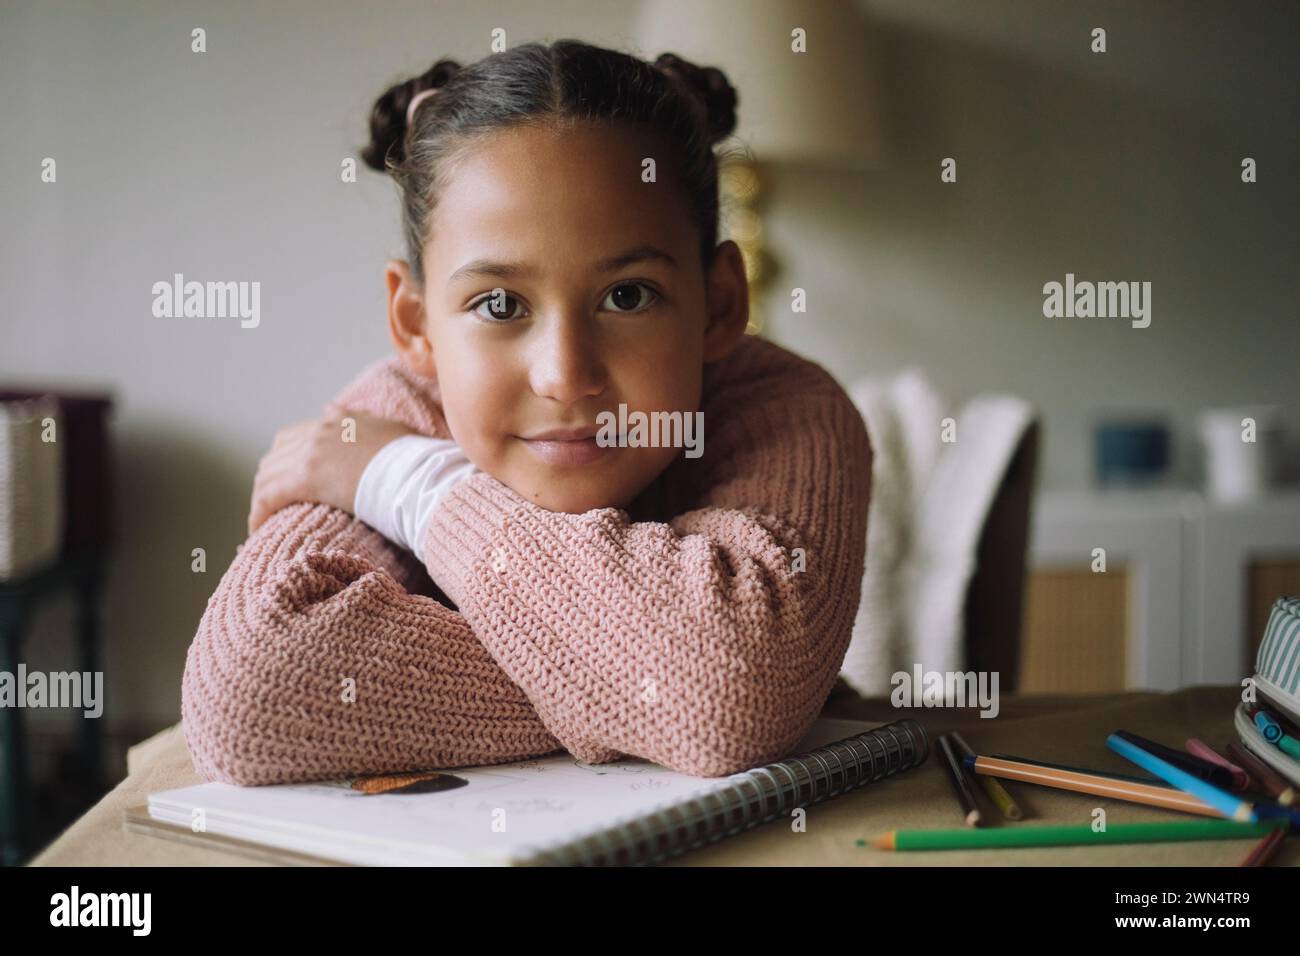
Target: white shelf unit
x=1187, y=561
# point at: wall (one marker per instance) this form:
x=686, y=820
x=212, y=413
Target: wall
x=225, y=166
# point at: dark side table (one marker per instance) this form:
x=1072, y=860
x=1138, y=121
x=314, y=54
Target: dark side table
x=79, y=570
x=82, y=574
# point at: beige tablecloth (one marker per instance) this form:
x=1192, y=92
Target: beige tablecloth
x=1062, y=730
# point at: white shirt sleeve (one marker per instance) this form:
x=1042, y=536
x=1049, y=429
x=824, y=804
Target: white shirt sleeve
x=404, y=483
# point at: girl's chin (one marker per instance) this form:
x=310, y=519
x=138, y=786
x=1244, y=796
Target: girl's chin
x=568, y=503
x=569, y=497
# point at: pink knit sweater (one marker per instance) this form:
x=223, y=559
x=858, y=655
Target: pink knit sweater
x=688, y=630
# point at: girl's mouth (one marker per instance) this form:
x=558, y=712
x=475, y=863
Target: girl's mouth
x=567, y=452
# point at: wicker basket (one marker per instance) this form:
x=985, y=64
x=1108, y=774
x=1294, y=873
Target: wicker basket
x=31, y=486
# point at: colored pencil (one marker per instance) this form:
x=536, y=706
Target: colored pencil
x=1200, y=768
x=1199, y=748
x=1075, y=834
x=1263, y=850
x=1003, y=800
x=961, y=785
x=1093, y=783
x=1108, y=774
x=1234, y=808
x=1264, y=776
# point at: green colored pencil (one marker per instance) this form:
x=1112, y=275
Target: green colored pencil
x=1073, y=835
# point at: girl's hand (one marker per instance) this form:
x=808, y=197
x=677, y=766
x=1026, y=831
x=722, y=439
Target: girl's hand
x=319, y=461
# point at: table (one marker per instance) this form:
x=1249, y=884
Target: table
x=1059, y=729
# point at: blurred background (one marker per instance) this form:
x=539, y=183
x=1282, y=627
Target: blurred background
x=1123, y=165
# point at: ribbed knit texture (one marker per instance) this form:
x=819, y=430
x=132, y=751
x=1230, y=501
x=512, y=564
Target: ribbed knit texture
x=680, y=630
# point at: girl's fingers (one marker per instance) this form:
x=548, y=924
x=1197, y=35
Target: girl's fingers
x=281, y=438
x=271, y=491
x=255, y=499
x=264, y=506
x=292, y=434
x=263, y=503
x=255, y=517
x=278, y=480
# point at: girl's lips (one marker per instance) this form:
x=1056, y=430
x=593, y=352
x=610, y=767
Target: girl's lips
x=581, y=451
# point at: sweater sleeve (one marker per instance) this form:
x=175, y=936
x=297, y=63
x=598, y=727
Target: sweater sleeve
x=313, y=660
x=707, y=643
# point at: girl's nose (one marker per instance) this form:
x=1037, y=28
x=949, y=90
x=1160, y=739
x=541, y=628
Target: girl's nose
x=566, y=365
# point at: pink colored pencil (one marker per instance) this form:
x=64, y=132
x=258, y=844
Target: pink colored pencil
x=1198, y=748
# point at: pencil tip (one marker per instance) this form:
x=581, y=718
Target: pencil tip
x=884, y=842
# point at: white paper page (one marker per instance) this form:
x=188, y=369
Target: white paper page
x=503, y=812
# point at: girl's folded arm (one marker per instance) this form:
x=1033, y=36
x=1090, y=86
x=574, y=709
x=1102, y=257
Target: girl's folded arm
x=708, y=643
x=313, y=661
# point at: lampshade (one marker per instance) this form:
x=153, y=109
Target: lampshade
x=815, y=108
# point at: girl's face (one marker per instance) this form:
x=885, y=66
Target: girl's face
x=559, y=285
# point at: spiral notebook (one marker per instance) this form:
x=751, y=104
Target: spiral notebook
x=553, y=810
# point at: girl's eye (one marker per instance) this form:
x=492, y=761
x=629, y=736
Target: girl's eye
x=498, y=307
x=628, y=297
x=631, y=297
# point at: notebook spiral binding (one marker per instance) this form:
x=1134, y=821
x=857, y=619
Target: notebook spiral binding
x=752, y=798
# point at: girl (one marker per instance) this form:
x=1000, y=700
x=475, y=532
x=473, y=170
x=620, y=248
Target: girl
x=560, y=205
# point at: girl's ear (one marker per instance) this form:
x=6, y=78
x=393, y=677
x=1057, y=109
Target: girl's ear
x=407, y=319
x=727, y=301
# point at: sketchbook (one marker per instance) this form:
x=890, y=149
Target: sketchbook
x=553, y=810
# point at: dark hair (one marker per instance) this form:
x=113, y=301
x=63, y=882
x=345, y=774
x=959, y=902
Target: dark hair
x=691, y=107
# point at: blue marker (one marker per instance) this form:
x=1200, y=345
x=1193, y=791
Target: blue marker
x=1275, y=734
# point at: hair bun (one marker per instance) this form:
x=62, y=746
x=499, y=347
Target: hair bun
x=709, y=88
x=388, y=115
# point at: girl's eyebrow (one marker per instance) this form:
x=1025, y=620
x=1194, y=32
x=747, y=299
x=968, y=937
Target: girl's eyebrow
x=477, y=268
